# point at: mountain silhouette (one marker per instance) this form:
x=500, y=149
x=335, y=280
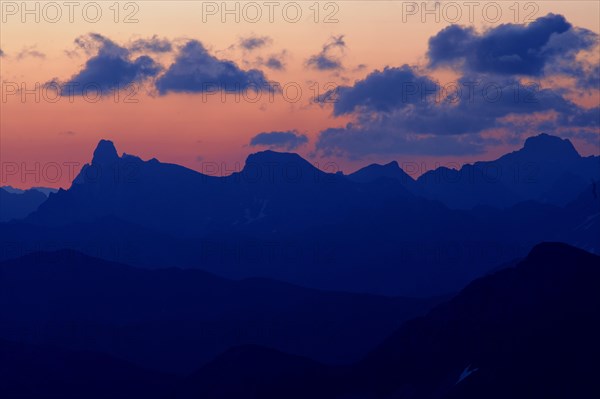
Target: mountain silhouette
x=251, y=372
x=522, y=332
x=44, y=190
x=529, y=331
x=282, y=218
x=547, y=169
x=17, y=204
x=390, y=170
x=173, y=320
x=105, y=153
x=47, y=372
x=273, y=192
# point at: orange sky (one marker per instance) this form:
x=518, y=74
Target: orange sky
x=186, y=129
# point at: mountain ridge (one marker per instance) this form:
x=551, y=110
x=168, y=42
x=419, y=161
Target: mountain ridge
x=521, y=332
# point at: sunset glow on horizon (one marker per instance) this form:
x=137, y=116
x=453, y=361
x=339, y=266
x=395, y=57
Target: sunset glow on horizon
x=155, y=115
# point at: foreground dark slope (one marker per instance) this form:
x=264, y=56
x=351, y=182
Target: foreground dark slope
x=255, y=372
x=175, y=319
x=530, y=331
x=37, y=372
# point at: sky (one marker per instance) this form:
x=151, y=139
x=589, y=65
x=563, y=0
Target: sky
x=344, y=84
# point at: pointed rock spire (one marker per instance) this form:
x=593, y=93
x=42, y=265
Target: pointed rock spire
x=105, y=153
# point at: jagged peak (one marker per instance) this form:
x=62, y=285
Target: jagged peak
x=549, y=144
x=105, y=152
x=276, y=158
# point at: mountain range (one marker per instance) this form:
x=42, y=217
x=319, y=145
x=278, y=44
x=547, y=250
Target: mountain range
x=150, y=280
x=376, y=231
x=526, y=330
x=547, y=169
x=173, y=320
x=17, y=204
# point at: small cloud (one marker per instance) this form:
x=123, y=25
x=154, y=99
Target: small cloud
x=533, y=49
x=67, y=133
x=329, y=59
x=195, y=70
x=151, y=45
x=199, y=158
x=1, y=53
x=90, y=43
x=30, y=52
x=112, y=67
x=274, y=61
x=288, y=140
x=254, y=42
x=71, y=53
x=381, y=91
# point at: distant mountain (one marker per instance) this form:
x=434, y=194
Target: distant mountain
x=281, y=218
x=17, y=204
x=390, y=170
x=547, y=169
x=529, y=331
x=44, y=190
x=394, y=250
x=274, y=192
x=586, y=209
x=173, y=319
x=12, y=190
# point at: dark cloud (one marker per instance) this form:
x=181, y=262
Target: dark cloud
x=393, y=121
x=91, y=42
x=112, y=68
x=196, y=71
x=323, y=62
x=589, y=78
x=403, y=111
x=274, y=62
x=580, y=117
x=357, y=141
x=585, y=135
x=510, y=49
x=1, y=53
x=254, y=42
x=289, y=140
x=151, y=45
x=330, y=56
x=586, y=74
x=382, y=91
x=476, y=103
